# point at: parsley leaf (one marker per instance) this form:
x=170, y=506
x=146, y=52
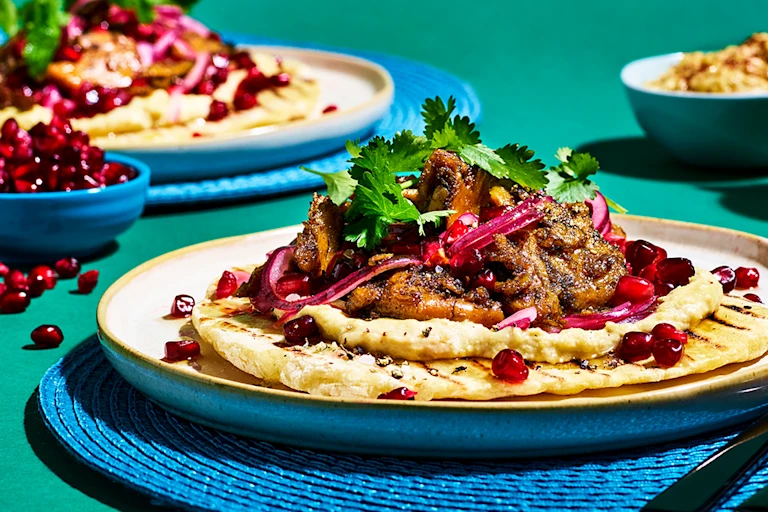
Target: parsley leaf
x=340, y=184
x=42, y=21
x=569, y=181
x=9, y=21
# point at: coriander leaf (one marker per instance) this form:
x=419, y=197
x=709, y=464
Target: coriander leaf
x=582, y=165
x=144, y=9
x=483, y=157
x=9, y=19
x=521, y=168
x=367, y=231
x=433, y=217
x=563, y=154
x=353, y=148
x=616, y=206
x=373, y=156
x=436, y=114
x=43, y=20
x=447, y=138
x=465, y=130
x=408, y=152
x=569, y=190
x=340, y=184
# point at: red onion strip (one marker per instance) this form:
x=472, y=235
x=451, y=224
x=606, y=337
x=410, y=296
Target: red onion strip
x=521, y=216
x=601, y=217
x=267, y=297
x=162, y=44
x=522, y=319
x=146, y=53
x=196, y=73
x=193, y=25
x=623, y=313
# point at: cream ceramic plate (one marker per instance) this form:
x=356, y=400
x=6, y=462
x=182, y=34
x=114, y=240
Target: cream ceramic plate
x=133, y=330
x=362, y=91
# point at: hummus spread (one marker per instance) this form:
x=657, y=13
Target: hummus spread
x=415, y=340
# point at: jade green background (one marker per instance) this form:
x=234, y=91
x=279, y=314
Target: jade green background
x=547, y=74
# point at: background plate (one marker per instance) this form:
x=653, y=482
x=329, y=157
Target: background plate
x=361, y=90
x=133, y=331
x=413, y=83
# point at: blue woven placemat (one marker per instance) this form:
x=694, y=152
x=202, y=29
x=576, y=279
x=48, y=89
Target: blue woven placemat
x=111, y=427
x=413, y=83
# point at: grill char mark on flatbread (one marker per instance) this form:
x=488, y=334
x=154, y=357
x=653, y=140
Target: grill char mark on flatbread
x=253, y=344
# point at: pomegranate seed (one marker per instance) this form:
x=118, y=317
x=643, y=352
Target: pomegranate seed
x=182, y=306
x=467, y=263
x=632, y=289
x=47, y=336
x=218, y=111
x=16, y=280
x=753, y=297
x=668, y=352
x=663, y=289
x=400, y=248
x=227, y=285
x=666, y=331
x=747, y=277
x=648, y=273
x=301, y=330
x=398, y=394
x=509, y=365
x=432, y=252
x=635, y=346
x=67, y=268
x=726, y=276
x=10, y=130
x=456, y=231
x=677, y=271
x=14, y=301
x=491, y=212
x=330, y=108
x=297, y=283
x=4, y=270
x=46, y=273
x=280, y=80
x=486, y=278
x=181, y=350
x=641, y=253
x=5, y=181
x=244, y=100
x=87, y=281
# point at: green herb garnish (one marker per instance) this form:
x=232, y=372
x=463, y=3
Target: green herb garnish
x=9, y=18
x=569, y=181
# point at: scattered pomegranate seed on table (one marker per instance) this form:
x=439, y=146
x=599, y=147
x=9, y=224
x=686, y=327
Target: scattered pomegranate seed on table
x=46, y=274
x=14, y=301
x=747, y=277
x=67, y=268
x=47, y=336
x=87, y=281
x=227, y=285
x=181, y=350
x=182, y=306
x=16, y=280
x=398, y=394
x=37, y=286
x=510, y=366
x=753, y=297
x=4, y=270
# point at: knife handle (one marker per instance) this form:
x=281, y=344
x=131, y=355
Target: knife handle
x=700, y=489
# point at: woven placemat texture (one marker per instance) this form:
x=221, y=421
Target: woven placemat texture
x=413, y=83
x=111, y=427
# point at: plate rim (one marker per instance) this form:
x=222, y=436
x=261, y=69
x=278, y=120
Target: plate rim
x=383, y=97
x=665, y=395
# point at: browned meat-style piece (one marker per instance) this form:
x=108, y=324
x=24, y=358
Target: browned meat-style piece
x=322, y=237
x=448, y=183
x=561, y=265
x=108, y=59
x=204, y=44
x=423, y=294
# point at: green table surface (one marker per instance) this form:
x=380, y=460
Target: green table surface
x=546, y=72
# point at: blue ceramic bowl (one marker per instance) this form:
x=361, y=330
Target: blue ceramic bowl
x=703, y=129
x=39, y=228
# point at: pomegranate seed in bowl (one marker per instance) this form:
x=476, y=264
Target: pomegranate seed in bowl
x=67, y=268
x=510, y=366
x=747, y=277
x=47, y=336
x=753, y=297
x=87, y=281
x=182, y=306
